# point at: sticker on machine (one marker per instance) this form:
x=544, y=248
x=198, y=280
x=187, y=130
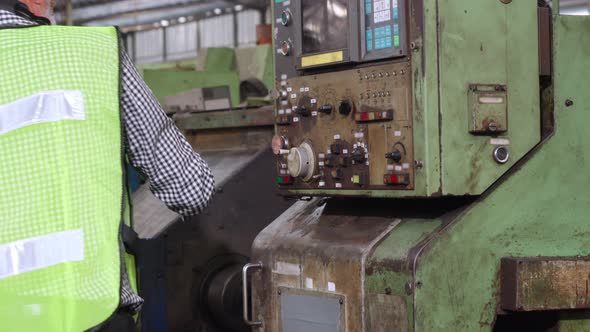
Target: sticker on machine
x=288, y=269
x=500, y=141
x=331, y=286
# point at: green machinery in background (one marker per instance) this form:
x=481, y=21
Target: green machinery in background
x=445, y=145
x=220, y=72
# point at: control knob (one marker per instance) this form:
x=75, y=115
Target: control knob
x=345, y=107
x=395, y=155
x=301, y=162
x=280, y=145
x=358, y=155
x=303, y=111
x=326, y=109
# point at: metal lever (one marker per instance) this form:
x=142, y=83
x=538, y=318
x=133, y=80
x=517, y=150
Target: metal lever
x=245, y=270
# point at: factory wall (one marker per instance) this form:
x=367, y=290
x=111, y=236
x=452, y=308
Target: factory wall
x=182, y=41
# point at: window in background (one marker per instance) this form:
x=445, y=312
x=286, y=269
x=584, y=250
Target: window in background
x=149, y=46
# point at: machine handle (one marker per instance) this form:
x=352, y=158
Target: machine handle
x=245, y=270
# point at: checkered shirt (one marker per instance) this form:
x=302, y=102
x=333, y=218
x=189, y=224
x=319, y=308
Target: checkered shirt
x=154, y=145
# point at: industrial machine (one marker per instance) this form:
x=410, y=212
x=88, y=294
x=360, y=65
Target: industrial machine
x=191, y=269
x=439, y=148
x=219, y=79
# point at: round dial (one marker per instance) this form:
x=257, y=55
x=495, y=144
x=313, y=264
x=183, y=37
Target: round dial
x=301, y=162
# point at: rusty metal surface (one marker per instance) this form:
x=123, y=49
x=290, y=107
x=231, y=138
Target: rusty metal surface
x=545, y=41
x=386, y=313
x=318, y=248
x=535, y=284
x=488, y=117
x=255, y=117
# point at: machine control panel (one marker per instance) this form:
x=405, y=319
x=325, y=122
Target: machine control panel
x=312, y=34
x=350, y=129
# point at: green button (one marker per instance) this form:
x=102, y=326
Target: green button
x=396, y=41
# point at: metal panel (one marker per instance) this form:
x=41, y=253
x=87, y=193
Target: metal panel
x=217, y=32
x=535, y=284
x=540, y=210
x=149, y=46
x=247, y=21
x=181, y=41
x=311, y=311
x=574, y=7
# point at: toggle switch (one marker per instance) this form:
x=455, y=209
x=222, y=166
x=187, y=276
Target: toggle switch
x=326, y=109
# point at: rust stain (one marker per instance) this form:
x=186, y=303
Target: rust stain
x=546, y=284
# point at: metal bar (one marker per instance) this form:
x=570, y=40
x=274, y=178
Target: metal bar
x=226, y=119
x=164, y=45
x=69, y=13
x=248, y=267
x=235, y=23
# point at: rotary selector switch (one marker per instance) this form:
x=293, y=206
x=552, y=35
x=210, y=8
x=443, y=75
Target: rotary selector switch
x=359, y=155
x=345, y=107
x=301, y=162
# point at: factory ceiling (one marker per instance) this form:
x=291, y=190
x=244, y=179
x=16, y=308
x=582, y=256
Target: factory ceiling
x=127, y=13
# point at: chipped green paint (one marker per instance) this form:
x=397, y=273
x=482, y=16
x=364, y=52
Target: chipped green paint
x=168, y=82
x=467, y=42
x=392, y=254
x=540, y=210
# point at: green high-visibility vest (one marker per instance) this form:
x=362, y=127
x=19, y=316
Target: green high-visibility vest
x=62, y=190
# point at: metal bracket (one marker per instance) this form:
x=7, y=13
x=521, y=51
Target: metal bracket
x=245, y=270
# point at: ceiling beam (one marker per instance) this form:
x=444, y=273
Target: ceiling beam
x=128, y=7
x=159, y=15
x=91, y=10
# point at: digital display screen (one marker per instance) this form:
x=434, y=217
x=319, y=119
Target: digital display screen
x=325, y=25
x=383, y=26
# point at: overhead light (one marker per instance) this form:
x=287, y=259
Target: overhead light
x=217, y=11
x=181, y=19
x=164, y=23
x=238, y=7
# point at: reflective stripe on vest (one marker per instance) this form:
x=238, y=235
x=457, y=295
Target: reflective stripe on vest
x=61, y=178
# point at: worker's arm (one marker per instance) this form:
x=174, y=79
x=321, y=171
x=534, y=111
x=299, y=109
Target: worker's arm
x=178, y=176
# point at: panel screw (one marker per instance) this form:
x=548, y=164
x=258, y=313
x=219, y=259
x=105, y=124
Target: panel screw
x=388, y=291
x=492, y=126
x=569, y=103
x=279, y=292
x=341, y=301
